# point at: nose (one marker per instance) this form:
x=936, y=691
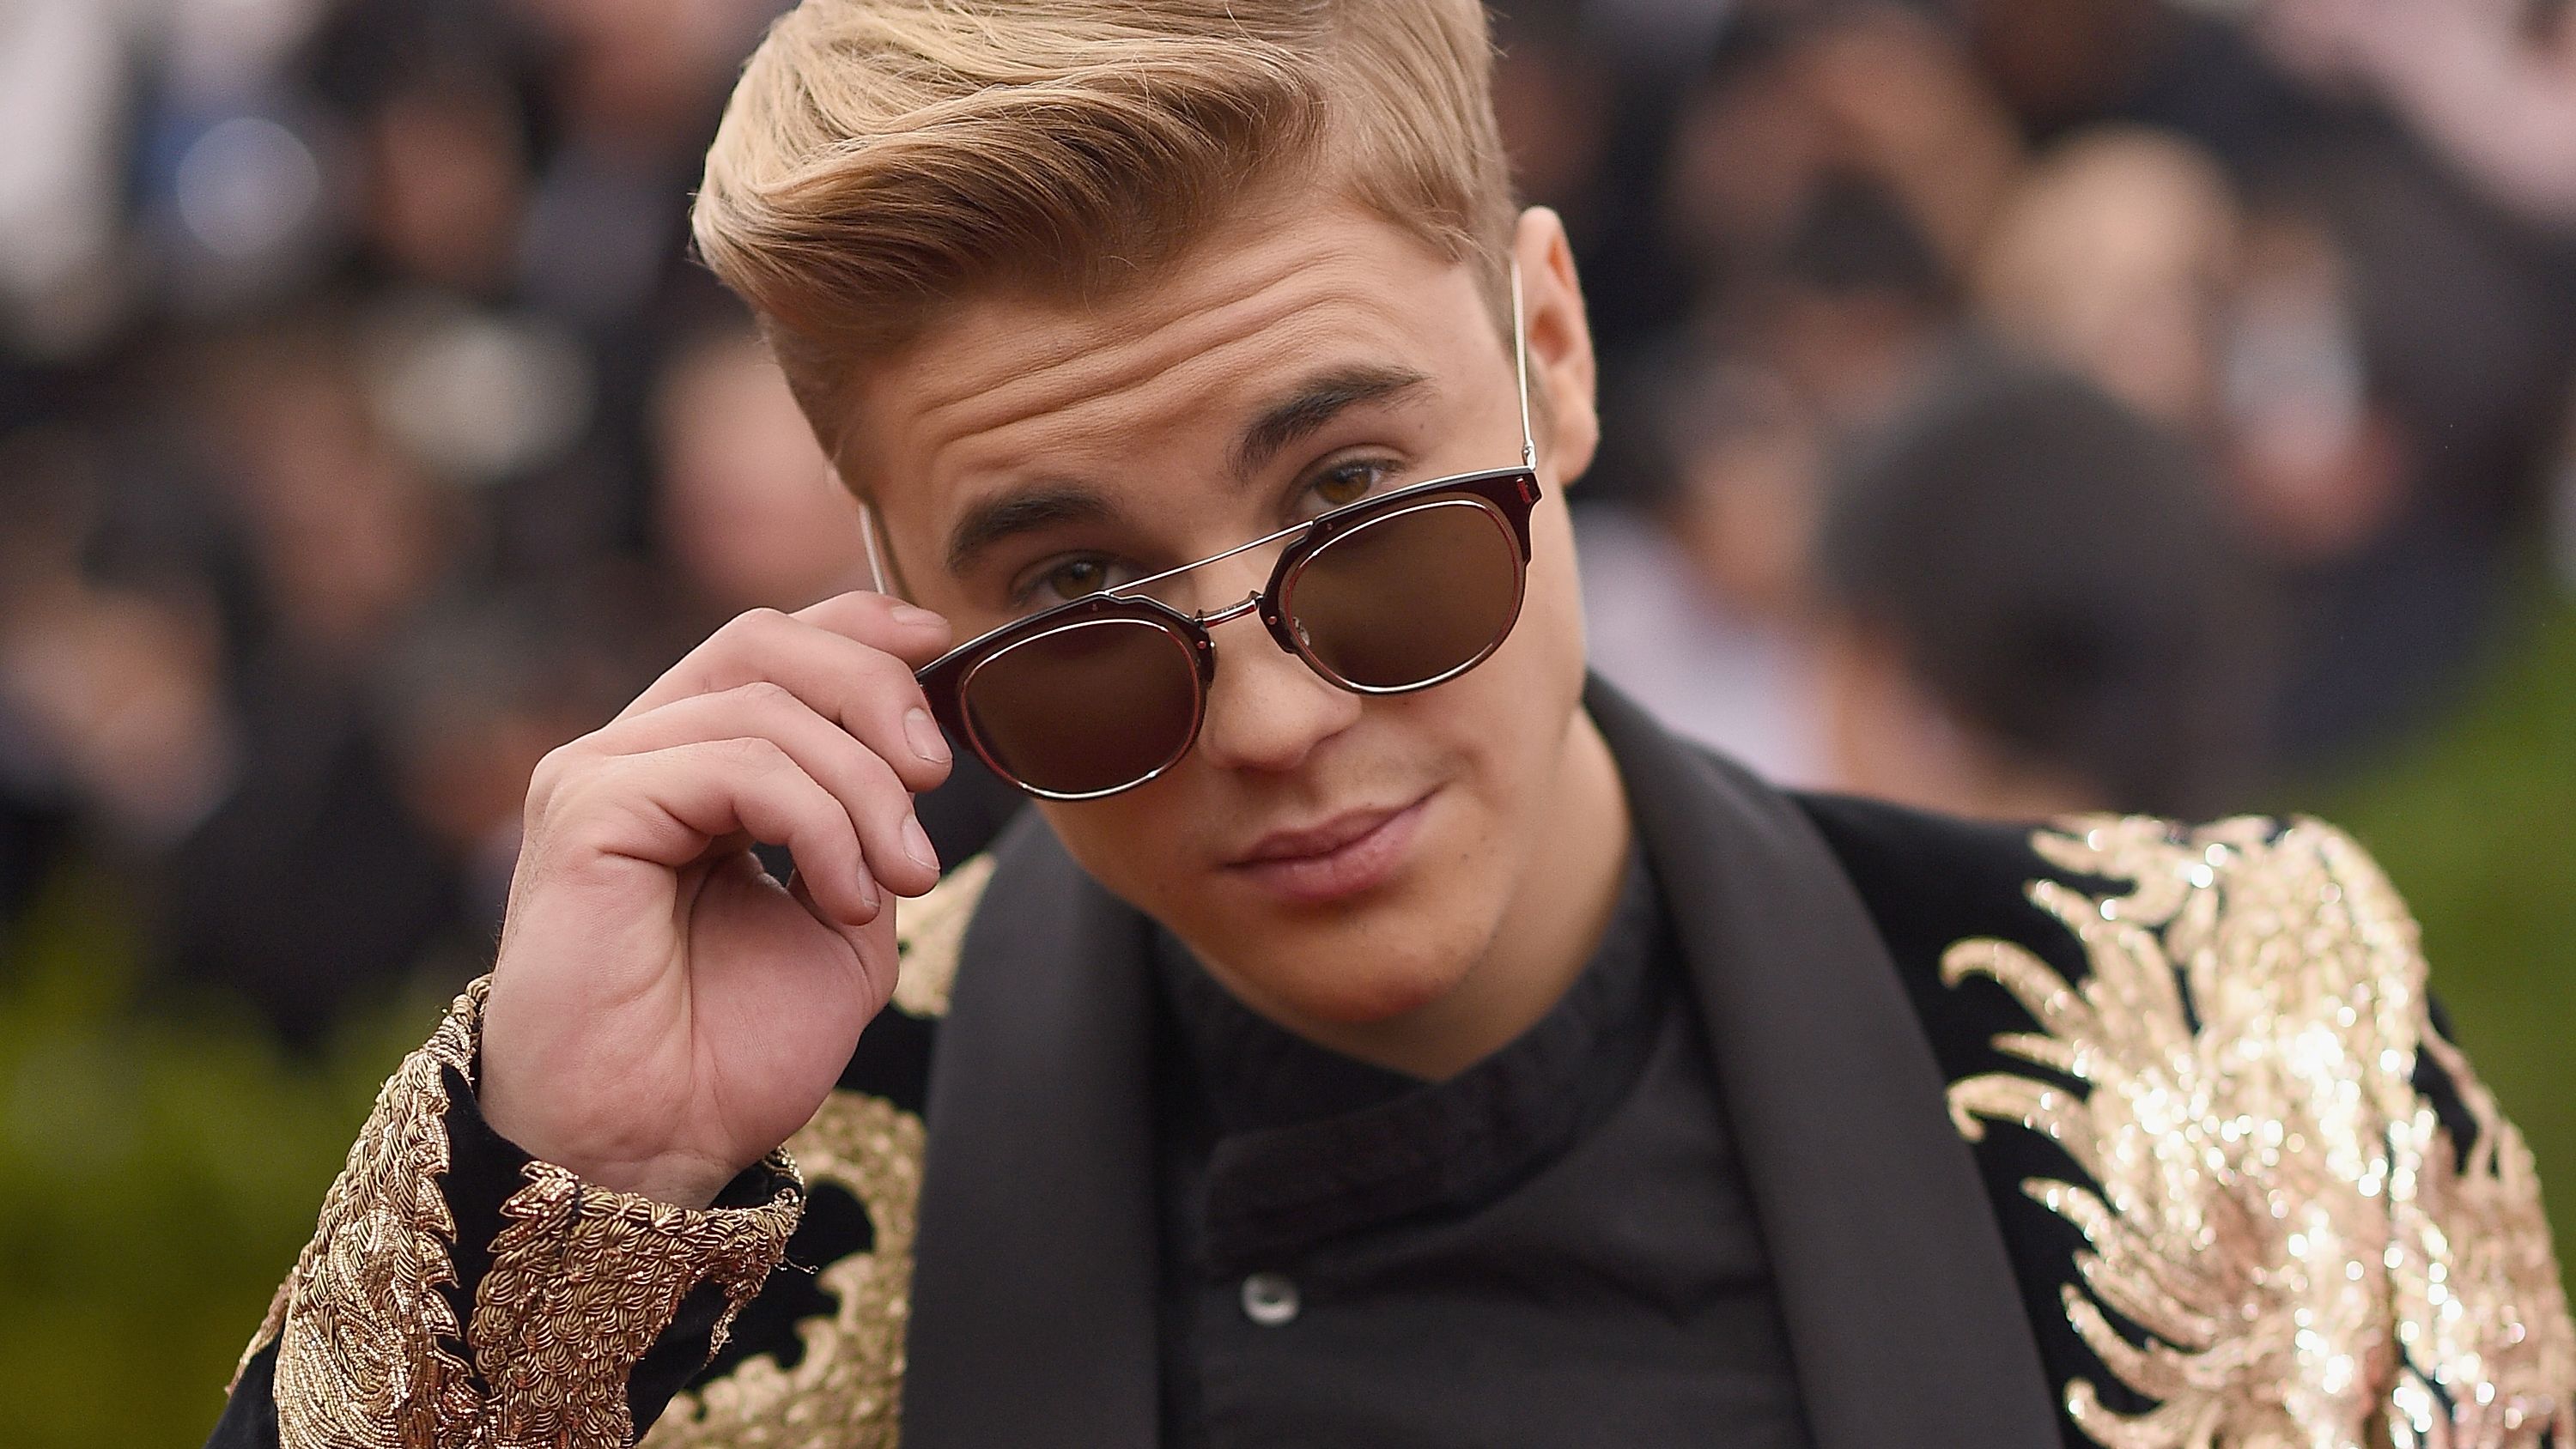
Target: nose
x=1266, y=711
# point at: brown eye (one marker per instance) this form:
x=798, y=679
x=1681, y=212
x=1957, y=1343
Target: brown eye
x=1075, y=578
x=1067, y=577
x=1346, y=483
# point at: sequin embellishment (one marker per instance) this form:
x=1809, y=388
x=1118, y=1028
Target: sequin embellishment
x=2262, y=1192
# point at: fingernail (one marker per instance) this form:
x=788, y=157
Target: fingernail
x=923, y=734
x=917, y=844
x=911, y=614
x=868, y=891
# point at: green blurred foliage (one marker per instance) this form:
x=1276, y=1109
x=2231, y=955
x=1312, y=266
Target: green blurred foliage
x=159, y=1171
x=158, y=1174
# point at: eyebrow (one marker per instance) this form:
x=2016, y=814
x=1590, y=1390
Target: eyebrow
x=1315, y=402
x=1047, y=505
x=1300, y=412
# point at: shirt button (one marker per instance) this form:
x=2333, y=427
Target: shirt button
x=1270, y=1299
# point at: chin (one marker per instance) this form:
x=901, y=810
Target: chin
x=1361, y=981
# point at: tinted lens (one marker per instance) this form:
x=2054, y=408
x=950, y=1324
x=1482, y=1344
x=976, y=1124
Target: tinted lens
x=1086, y=709
x=1410, y=598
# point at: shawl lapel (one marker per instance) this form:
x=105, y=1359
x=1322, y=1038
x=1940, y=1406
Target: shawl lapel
x=1034, y=1272
x=1904, y=1320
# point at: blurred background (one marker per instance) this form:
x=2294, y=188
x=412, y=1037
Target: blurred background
x=2013, y=406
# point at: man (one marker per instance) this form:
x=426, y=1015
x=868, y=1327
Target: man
x=1371, y=1037
x=2031, y=603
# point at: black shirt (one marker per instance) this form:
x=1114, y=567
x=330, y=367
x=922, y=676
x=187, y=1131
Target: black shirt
x=1554, y=1247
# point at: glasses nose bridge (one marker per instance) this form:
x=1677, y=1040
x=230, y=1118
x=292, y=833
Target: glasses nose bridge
x=1230, y=612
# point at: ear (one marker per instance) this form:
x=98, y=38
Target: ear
x=1562, y=369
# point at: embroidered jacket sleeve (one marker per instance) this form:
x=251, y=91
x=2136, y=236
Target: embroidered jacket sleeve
x=2299, y=1217
x=458, y=1293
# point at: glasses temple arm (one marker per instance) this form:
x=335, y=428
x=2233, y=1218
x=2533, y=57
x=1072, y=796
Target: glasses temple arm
x=1520, y=371
x=868, y=535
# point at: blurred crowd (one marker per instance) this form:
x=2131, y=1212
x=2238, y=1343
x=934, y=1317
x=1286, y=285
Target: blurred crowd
x=2045, y=404
x=2013, y=406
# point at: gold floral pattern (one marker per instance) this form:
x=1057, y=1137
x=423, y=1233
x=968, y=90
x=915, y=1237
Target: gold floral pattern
x=2265, y=1196
x=2480, y=1304
x=931, y=932
x=846, y=1392
x=582, y=1282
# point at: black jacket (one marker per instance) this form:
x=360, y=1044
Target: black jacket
x=2113, y=1131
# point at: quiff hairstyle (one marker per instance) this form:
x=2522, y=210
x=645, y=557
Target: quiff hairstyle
x=883, y=160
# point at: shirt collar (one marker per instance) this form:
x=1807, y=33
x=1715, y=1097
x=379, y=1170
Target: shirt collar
x=1311, y=1144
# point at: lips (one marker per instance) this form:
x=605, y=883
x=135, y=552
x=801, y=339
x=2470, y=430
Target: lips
x=1337, y=858
x=1322, y=839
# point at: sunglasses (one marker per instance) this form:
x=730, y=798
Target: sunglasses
x=1384, y=596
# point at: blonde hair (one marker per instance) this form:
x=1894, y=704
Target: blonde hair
x=883, y=160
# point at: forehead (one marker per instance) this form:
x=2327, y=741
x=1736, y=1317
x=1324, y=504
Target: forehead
x=1013, y=388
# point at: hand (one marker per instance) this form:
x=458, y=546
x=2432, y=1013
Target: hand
x=662, y=1012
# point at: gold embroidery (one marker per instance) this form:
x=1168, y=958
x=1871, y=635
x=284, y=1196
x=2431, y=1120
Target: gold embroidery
x=930, y=932
x=846, y=1391
x=366, y=1352
x=582, y=1282
x=266, y=1334
x=2269, y=1201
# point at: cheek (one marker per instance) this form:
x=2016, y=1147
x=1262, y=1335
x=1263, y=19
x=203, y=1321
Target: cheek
x=1133, y=844
x=1553, y=608
x=1530, y=692
x=1534, y=683
x=1502, y=727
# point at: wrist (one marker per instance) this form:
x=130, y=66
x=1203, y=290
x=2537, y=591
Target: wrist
x=679, y=1178
x=680, y=1184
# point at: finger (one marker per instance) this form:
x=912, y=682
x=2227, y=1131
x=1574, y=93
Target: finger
x=866, y=690
x=667, y=806
x=875, y=956
x=876, y=799
x=908, y=631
